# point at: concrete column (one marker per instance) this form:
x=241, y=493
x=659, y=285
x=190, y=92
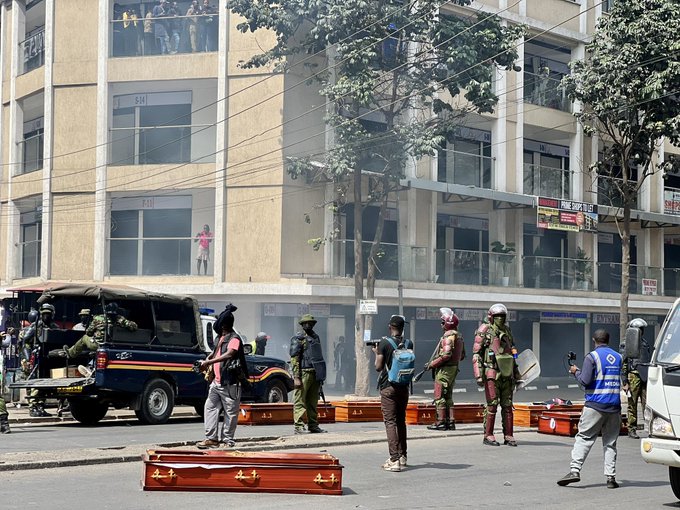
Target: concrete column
x=578, y=168
x=329, y=193
x=48, y=126
x=519, y=128
x=536, y=339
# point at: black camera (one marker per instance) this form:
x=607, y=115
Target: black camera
x=197, y=366
x=373, y=342
x=571, y=357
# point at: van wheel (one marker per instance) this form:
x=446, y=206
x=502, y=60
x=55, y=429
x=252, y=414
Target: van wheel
x=158, y=401
x=88, y=411
x=276, y=392
x=674, y=475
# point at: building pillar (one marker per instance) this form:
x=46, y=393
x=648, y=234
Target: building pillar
x=48, y=129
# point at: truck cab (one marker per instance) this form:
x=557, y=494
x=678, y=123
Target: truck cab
x=149, y=370
x=662, y=411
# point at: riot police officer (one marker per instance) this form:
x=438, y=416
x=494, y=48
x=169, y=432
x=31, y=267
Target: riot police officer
x=634, y=377
x=495, y=369
x=30, y=336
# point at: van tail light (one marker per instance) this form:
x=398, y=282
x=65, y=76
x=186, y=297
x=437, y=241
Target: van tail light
x=102, y=360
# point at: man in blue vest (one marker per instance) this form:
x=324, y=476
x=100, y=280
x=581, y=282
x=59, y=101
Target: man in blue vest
x=601, y=378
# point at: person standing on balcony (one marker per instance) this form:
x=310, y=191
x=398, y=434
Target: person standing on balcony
x=210, y=27
x=149, y=37
x=203, y=238
x=192, y=24
x=160, y=27
x=130, y=32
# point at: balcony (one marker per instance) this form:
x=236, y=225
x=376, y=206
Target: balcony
x=141, y=37
x=464, y=267
x=543, y=90
x=557, y=273
x=465, y=168
x=32, y=50
x=31, y=150
x=643, y=279
x=414, y=261
x=609, y=192
x=151, y=256
x=546, y=182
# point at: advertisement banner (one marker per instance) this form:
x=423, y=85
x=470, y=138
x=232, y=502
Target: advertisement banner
x=566, y=215
x=649, y=287
x=671, y=202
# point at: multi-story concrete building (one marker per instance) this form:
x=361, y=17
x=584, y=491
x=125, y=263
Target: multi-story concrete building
x=119, y=144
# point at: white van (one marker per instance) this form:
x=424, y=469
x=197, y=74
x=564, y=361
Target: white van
x=663, y=396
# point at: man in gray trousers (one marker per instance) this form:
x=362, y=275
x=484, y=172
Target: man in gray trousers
x=601, y=378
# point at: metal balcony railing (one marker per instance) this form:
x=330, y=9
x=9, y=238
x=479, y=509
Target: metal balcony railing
x=546, y=182
x=543, y=90
x=32, y=50
x=609, y=192
x=464, y=168
x=31, y=151
x=414, y=260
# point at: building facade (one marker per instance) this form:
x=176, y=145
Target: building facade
x=126, y=129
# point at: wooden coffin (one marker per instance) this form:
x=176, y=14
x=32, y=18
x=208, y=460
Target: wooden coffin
x=420, y=414
x=222, y=470
x=326, y=413
x=468, y=413
x=565, y=423
x=357, y=411
x=266, y=414
x=526, y=415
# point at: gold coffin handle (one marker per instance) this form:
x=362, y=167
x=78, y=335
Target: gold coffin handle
x=158, y=476
x=241, y=477
x=332, y=480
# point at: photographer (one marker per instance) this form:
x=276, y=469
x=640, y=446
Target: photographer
x=601, y=378
x=393, y=397
x=228, y=362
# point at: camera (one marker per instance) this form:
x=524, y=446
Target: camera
x=571, y=357
x=373, y=342
x=197, y=366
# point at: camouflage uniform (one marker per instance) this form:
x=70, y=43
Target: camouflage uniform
x=96, y=332
x=496, y=370
x=4, y=417
x=28, y=337
x=445, y=366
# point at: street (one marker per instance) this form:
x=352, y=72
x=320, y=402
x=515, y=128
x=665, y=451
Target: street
x=444, y=472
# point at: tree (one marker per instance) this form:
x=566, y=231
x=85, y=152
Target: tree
x=628, y=86
x=392, y=59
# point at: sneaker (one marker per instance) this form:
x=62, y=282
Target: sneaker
x=316, y=430
x=392, y=465
x=490, y=442
x=402, y=461
x=572, y=477
x=299, y=430
x=84, y=371
x=229, y=443
x=612, y=483
x=207, y=443
x=510, y=442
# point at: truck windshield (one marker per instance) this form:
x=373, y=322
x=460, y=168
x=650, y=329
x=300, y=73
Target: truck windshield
x=668, y=350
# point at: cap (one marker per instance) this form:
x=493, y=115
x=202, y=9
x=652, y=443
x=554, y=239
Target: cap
x=262, y=334
x=397, y=321
x=84, y=311
x=308, y=317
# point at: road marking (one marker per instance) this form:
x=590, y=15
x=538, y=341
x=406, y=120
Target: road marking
x=531, y=388
x=553, y=387
x=480, y=389
x=572, y=385
x=459, y=390
x=428, y=391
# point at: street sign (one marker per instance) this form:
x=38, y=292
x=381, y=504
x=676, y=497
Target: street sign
x=368, y=306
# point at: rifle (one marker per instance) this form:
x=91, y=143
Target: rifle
x=419, y=375
x=321, y=394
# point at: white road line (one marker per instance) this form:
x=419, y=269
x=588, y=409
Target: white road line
x=428, y=391
x=531, y=388
x=459, y=390
x=480, y=389
x=553, y=387
x=572, y=385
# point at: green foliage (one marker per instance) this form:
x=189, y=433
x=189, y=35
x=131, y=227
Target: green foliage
x=582, y=266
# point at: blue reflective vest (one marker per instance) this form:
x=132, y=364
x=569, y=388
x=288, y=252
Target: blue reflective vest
x=605, y=388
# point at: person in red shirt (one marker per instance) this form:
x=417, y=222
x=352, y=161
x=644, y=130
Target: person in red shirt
x=203, y=238
x=225, y=389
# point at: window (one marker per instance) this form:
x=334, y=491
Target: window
x=467, y=159
x=546, y=170
x=153, y=128
x=543, y=77
x=155, y=240
x=138, y=311
x=175, y=324
x=30, y=244
x=32, y=146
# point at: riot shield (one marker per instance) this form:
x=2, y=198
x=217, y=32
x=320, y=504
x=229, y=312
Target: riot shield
x=529, y=368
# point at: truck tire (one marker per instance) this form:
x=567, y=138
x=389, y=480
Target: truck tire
x=88, y=411
x=674, y=475
x=158, y=401
x=276, y=392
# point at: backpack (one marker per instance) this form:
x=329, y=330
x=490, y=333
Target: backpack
x=403, y=363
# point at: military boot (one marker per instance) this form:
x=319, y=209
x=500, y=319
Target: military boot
x=489, y=438
x=440, y=424
x=508, y=426
x=451, y=423
x=4, y=424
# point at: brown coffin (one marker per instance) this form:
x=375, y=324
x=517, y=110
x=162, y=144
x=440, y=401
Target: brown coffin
x=468, y=413
x=565, y=423
x=526, y=415
x=420, y=414
x=326, y=413
x=357, y=411
x=216, y=470
x=266, y=414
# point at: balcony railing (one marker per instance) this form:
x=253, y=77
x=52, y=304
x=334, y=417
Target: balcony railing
x=545, y=91
x=557, y=273
x=162, y=145
x=141, y=37
x=465, y=168
x=31, y=150
x=546, y=182
x=33, y=51
x=643, y=279
x=29, y=258
x=609, y=192
x=153, y=256
x=464, y=267
x=414, y=260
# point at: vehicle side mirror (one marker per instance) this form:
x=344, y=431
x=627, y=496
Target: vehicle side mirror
x=248, y=349
x=632, y=347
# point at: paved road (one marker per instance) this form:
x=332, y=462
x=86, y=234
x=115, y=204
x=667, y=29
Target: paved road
x=451, y=472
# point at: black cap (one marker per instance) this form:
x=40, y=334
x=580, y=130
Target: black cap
x=397, y=321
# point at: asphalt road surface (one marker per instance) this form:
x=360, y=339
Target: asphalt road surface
x=452, y=472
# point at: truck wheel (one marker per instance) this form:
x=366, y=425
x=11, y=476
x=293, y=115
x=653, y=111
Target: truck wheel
x=276, y=392
x=674, y=475
x=158, y=400
x=89, y=411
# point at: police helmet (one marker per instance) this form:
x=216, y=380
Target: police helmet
x=637, y=323
x=449, y=319
x=47, y=308
x=497, y=309
x=33, y=315
x=111, y=308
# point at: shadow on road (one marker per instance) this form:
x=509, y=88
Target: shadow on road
x=520, y=442
x=437, y=465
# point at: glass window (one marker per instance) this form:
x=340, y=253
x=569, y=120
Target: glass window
x=175, y=324
x=139, y=311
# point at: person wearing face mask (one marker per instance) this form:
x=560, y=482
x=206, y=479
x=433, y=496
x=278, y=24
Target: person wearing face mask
x=495, y=369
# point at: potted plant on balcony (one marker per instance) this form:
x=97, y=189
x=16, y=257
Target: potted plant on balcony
x=583, y=269
x=506, y=257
